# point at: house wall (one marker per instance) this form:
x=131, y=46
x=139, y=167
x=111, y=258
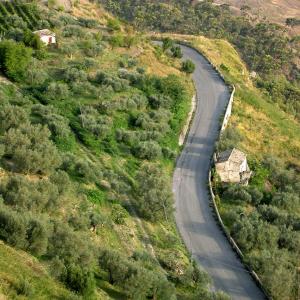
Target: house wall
x=243, y=167
x=45, y=39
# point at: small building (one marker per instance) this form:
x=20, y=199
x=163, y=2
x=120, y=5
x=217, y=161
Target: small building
x=232, y=167
x=46, y=36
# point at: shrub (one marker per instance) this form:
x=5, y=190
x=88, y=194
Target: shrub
x=73, y=74
x=237, y=193
x=91, y=48
x=176, y=52
x=154, y=198
x=188, y=66
x=97, y=124
x=30, y=150
x=119, y=214
x=83, y=169
x=14, y=59
x=37, y=235
x=113, y=24
x=12, y=116
x=26, y=195
x=167, y=44
x=148, y=150
x=12, y=228
x=230, y=138
x=116, y=83
x=80, y=280
x=57, y=124
x=72, y=31
x=57, y=91
x=35, y=76
x=89, y=23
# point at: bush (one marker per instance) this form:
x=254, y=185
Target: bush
x=89, y=23
x=57, y=91
x=12, y=116
x=80, y=280
x=30, y=150
x=167, y=44
x=14, y=59
x=154, y=198
x=176, y=52
x=118, y=214
x=148, y=150
x=188, y=66
x=57, y=124
x=83, y=169
x=91, y=48
x=12, y=228
x=72, y=31
x=237, y=193
x=74, y=74
x=26, y=195
x=114, y=24
x=37, y=235
x=91, y=120
x=118, y=84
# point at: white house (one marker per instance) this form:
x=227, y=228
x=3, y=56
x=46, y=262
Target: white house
x=46, y=36
x=232, y=167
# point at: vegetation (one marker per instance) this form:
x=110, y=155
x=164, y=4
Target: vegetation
x=88, y=138
x=264, y=46
x=263, y=214
x=188, y=66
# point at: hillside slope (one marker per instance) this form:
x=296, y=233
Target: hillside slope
x=23, y=277
x=88, y=136
x=275, y=10
x=268, y=210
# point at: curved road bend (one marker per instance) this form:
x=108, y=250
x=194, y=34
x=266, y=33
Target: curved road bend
x=194, y=216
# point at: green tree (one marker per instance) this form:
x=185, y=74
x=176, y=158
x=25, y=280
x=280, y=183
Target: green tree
x=154, y=198
x=30, y=150
x=14, y=59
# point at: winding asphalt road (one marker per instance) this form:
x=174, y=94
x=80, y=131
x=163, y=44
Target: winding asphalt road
x=194, y=215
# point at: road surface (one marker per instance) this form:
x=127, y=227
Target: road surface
x=194, y=215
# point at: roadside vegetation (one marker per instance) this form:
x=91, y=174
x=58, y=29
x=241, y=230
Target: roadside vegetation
x=264, y=217
x=265, y=47
x=88, y=138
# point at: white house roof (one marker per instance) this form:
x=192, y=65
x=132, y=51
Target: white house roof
x=44, y=32
x=233, y=155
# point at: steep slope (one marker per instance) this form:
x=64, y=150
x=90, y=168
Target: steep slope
x=23, y=277
x=86, y=165
x=270, y=205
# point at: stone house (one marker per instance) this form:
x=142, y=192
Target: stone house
x=46, y=36
x=232, y=167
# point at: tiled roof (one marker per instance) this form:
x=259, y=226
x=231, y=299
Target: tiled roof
x=44, y=32
x=233, y=155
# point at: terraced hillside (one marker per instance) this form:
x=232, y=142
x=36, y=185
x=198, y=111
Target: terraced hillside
x=10, y=10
